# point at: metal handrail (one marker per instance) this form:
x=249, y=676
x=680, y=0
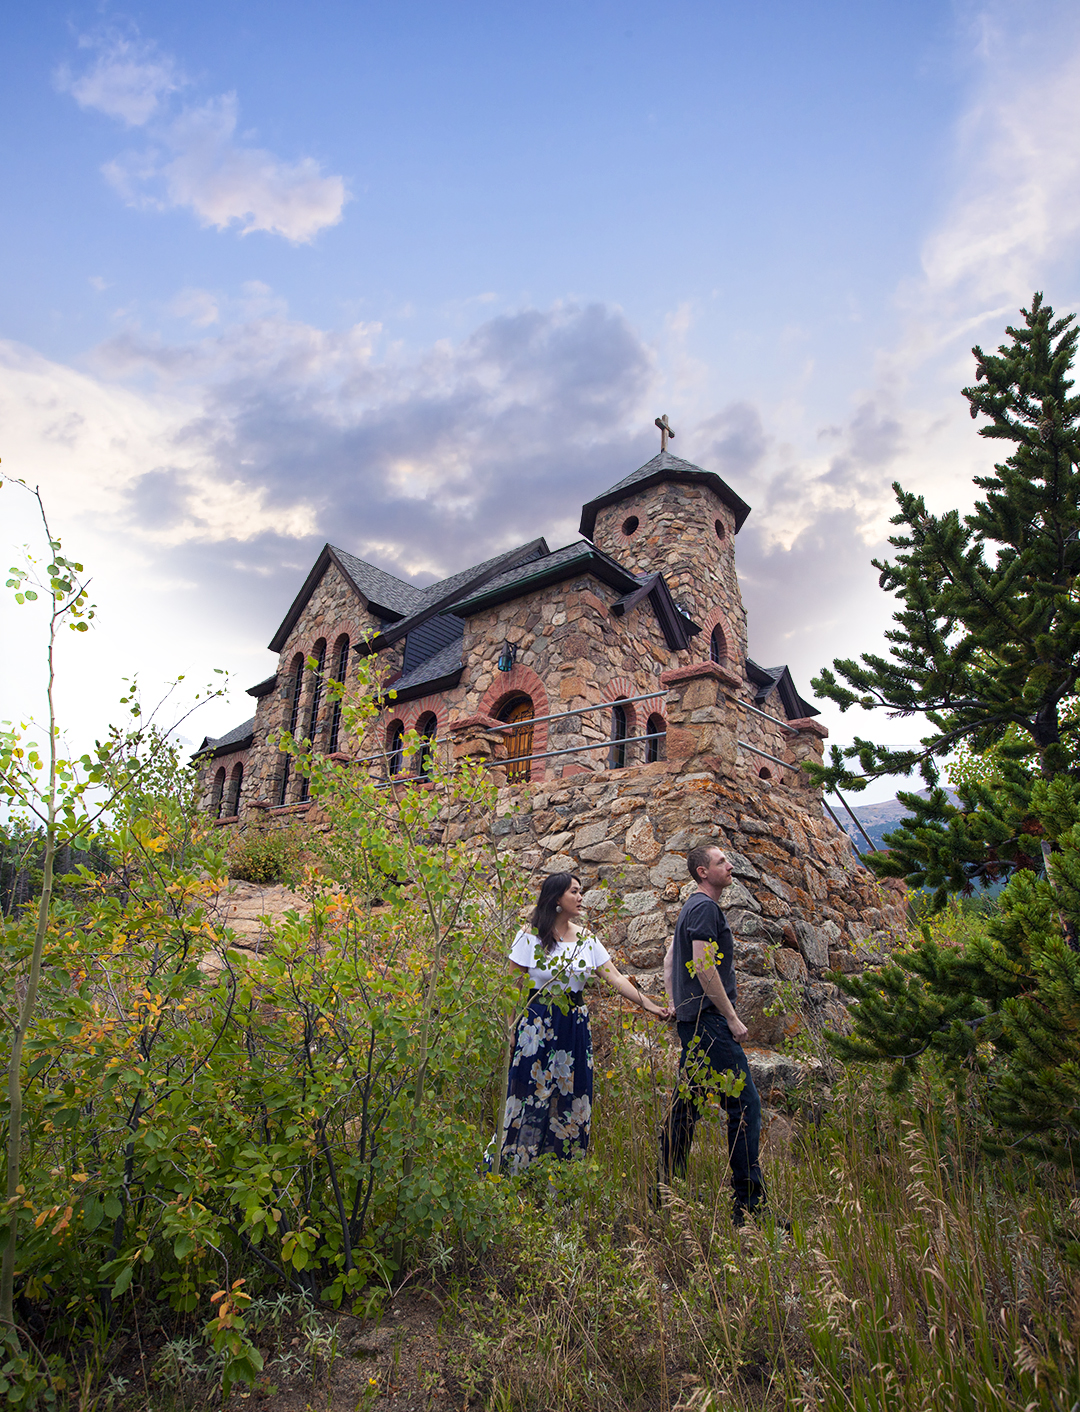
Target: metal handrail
x=855, y=821
x=766, y=717
x=787, y=764
x=581, y=710
x=529, y=721
x=609, y=744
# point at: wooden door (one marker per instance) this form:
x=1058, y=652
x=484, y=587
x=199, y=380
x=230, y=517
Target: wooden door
x=519, y=742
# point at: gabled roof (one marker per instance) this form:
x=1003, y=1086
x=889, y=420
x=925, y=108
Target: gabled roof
x=239, y=738
x=677, y=628
x=579, y=557
x=765, y=678
x=382, y=593
x=583, y=557
x=664, y=467
x=438, y=597
x=382, y=590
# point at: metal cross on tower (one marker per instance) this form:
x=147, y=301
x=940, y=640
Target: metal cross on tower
x=666, y=433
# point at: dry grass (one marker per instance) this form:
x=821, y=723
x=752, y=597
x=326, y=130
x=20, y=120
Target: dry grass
x=917, y=1274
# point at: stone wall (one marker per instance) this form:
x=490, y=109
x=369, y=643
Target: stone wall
x=799, y=905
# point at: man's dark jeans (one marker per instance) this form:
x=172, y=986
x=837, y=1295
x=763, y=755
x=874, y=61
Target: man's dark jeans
x=716, y=1048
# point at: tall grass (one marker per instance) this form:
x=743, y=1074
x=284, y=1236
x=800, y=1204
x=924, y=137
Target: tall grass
x=917, y=1273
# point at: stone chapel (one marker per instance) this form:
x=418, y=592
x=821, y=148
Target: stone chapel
x=568, y=646
x=608, y=686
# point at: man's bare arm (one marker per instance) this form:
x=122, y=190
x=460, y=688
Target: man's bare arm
x=669, y=966
x=709, y=977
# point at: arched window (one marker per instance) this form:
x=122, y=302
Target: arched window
x=296, y=687
x=519, y=742
x=395, y=747
x=764, y=773
x=316, y=692
x=219, y=789
x=313, y=708
x=340, y=671
x=656, y=730
x=617, y=758
x=718, y=645
x=426, y=728
x=236, y=780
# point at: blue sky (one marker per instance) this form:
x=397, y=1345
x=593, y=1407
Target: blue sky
x=416, y=278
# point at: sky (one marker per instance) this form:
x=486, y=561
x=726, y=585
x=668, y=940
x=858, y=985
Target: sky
x=416, y=278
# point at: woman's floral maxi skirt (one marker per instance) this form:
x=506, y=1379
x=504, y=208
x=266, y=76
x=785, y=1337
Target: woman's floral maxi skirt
x=549, y=1095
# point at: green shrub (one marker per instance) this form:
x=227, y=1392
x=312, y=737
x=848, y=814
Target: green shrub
x=266, y=853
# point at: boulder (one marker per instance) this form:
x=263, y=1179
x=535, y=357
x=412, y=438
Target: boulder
x=735, y=895
x=757, y=994
x=789, y=964
x=812, y=944
x=654, y=926
x=774, y=1074
x=590, y=834
x=641, y=841
x=751, y=957
x=636, y=903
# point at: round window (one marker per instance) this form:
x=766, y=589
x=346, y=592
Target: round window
x=630, y=524
x=720, y=531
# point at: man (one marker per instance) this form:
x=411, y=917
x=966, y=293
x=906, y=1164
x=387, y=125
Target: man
x=699, y=975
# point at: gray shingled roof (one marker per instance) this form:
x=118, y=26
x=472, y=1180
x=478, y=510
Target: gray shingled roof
x=443, y=664
x=377, y=586
x=582, y=555
x=766, y=678
x=664, y=466
x=446, y=592
x=238, y=737
x=385, y=595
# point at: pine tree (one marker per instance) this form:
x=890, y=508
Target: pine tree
x=987, y=647
x=986, y=642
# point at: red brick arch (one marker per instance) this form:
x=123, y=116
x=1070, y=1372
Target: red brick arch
x=623, y=687
x=521, y=680
x=717, y=619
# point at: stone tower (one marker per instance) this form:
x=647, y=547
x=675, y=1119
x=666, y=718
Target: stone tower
x=675, y=518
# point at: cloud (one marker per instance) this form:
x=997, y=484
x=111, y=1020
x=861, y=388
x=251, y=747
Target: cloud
x=734, y=440
x=1017, y=203
x=424, y=464
x=128, y=78
x=197, y=305
x=194, y=159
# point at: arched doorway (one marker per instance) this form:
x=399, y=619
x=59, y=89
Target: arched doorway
x=519, y=743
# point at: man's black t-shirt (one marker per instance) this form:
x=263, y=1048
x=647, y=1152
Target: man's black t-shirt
x=700, y=917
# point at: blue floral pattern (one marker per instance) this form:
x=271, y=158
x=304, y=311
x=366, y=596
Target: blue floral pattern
x=549, y=1095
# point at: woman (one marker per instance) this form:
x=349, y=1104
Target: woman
x=549, y=1093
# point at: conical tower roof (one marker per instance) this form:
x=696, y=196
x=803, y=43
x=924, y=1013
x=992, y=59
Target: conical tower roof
x=664, y=467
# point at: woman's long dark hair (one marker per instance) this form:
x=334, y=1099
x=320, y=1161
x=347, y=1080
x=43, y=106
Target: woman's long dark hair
x=546, y=911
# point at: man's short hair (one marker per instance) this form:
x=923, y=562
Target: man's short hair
x=698, y=857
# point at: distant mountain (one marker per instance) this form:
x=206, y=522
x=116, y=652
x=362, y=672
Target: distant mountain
x=877, y=819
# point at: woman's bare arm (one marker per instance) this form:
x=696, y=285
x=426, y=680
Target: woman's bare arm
x=615, y=977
